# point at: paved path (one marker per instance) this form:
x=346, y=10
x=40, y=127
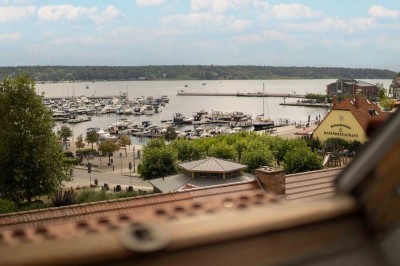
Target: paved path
x=117, y=173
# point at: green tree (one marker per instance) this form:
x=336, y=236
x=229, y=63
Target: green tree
x=91, y=137
x=31, y=158
x=170, y=134
x=387, y=103
x=124, y=141
x=156, y=143
x=257, y=157
x=222, y=151
x=187, y=150
x=158, y=162
x=64, y=133
x=108, y=147
x=79, y=142
x=381, y=91
x=86, y=154
x=302, y=159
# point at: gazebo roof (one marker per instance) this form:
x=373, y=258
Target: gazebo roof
x=213, y=165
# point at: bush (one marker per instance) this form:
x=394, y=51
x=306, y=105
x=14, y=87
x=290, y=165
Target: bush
x=33, y=206
x=64, y=199
x=91, y=196
x=302, y=159
x=68, y=154
x=86, y=153
x=7, y=206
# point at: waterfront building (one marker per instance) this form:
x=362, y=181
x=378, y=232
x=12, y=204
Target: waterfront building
x=396, y=87
x=349, y=119
x=352, y=87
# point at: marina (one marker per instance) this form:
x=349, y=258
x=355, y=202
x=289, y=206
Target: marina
x=188, y=107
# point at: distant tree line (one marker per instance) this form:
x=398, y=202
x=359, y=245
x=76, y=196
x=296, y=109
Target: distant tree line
x=190, y=72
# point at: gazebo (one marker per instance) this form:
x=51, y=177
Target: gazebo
x=202, y=173
x=212, y=168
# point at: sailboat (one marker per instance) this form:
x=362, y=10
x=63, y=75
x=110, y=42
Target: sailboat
x=261, y=122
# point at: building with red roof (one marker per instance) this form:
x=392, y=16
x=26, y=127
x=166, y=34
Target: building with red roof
x=352, y=87
x=349, y=119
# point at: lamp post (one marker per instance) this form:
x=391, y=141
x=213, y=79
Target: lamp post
x=100, y=154
x=130, y=172
x=120, y=156
x=133, y=158
x=89, y=169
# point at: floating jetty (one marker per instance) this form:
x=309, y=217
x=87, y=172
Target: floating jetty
x=305, y=104
x=241, y=94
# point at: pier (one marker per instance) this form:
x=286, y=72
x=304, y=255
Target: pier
x=241, y=94
x=305, y=104
x=78, y=97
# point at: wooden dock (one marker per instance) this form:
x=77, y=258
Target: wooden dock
x=241, y=94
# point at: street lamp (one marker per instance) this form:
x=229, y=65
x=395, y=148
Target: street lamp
x=130, y=172
x=134, y=159
x=100, y=154
x=120, y=156
x=89, y=169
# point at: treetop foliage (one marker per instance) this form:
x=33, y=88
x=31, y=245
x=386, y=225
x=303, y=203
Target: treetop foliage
x=31, y=158
x=160, y=159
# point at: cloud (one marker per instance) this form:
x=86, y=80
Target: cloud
x=382, y=12
x=261, y=5
x=149, y=2
x=288, y=11
x=14, y=13
x=332, y=24
x=14, y=36
x=64, y=12
x=218, y=6
x=86, y=40
x=17, y=2
x=110, y=13
x=263, y=36
x=206, y=22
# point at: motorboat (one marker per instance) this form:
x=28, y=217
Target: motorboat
x=104, y=136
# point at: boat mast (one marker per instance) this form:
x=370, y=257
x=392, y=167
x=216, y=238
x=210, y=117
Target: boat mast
x=263, y=100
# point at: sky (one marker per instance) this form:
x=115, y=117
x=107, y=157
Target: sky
x=320, y=33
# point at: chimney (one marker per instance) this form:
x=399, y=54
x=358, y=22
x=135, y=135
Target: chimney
x=357, y=100
x=271, y=179
x=334, y=101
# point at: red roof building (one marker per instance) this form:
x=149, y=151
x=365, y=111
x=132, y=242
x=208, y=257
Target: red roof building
x=349, y=119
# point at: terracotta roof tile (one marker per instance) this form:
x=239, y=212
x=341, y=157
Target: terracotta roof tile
x=310, y=184
x=321, y=192
x=359, y=107
x=141, y=207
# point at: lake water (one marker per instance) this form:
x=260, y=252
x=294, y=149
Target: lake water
x=189, y=104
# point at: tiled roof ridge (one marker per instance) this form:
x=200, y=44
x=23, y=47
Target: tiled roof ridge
x=74, y=206
x=217, y=161
x=316, y=171
x=201, y=161
x=228, y=161
x=295, y=184
x=307, y=196
x=313, y=184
